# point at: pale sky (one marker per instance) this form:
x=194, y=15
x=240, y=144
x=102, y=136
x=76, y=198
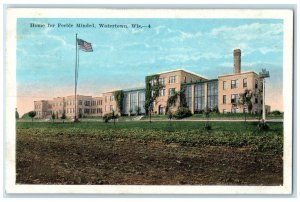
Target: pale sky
x=123, y=57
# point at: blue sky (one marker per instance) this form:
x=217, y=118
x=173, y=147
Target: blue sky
x=123, y=57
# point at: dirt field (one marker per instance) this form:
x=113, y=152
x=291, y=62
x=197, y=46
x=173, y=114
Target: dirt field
x=81, y=159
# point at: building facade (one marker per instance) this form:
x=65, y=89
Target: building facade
x=222, y=94
x=172, y=82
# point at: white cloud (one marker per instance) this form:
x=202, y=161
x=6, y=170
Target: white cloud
x=254, y=31
x=254, y=37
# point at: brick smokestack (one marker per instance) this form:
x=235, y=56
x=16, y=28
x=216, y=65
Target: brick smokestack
x=237, y=60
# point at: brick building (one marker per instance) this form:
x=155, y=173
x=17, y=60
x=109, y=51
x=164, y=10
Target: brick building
x=221, y=93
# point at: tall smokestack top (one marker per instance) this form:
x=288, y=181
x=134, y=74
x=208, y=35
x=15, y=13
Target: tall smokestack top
x=237, y=60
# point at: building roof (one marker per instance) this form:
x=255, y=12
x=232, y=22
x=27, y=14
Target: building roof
x=233, y=74
x=175, y=70
x=134, y=89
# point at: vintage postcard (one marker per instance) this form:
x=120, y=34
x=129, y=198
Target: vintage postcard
x=148, y=101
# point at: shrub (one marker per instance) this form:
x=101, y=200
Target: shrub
x=263, y=126
x=170, y=115
x=276, y=112
x=32, y=114
x=109, y=116
x=207, y=127
x=182, y=112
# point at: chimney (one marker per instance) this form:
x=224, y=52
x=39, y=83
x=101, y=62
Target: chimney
x=237, y=60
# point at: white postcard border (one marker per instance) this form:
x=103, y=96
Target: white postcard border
x=10, y=98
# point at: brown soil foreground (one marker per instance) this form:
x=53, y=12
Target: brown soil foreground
x=89, y=161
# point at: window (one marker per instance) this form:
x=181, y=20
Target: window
x=172, y=79
x=152, y=93
x=224, y=85
x=184, y=79
x=244, y=83
x=171, y=91
x=100, y=102
x=224, y=99
x=188, y=96
x=80, y=102
x=105, y=99
x=111, y=108
x=161, y=81
x=224, y=111
x=256, y=100
x=153, y=82
x=256, y=83
x=199, y=98
x=142, y=102
x=162, y=92
x=234, y=98
x=234, y=84
x=212, y=94
x=87, y=103
x=133, y=102
x=112, y=98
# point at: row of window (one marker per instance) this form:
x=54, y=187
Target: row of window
x=162, y=81
x=199, y=96
x=37, y=106
x=235, y=84
x=162, y=92
x=235, y=98
x=109, y=98
x=72, y=103
x=134, y=102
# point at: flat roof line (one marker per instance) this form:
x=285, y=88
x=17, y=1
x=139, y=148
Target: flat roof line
x=238, y=73
x=175, y=70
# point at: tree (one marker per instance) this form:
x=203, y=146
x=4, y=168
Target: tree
x=207, y=113
x=153, y=86
x=110, y=116
x=17, y=114
x=138, y=110
x=32, y=114
x=63, y=116
x=119, y=96
x=245, y=101
x=114, y=117
x=53, y=116
x=173, y=99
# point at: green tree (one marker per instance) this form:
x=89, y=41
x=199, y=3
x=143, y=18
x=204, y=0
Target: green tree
x=245, y=101
x=114, y=117
x=53, y=117
x=152, y=92
x=110, y=116
x=63, y=116
x=119, y=96
x=207, y=114
x=173, y=99
x=32, y=114
x=138, y=110
x=17, y=114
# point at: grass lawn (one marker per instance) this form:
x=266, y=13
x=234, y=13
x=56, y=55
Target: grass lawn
x=143, y=153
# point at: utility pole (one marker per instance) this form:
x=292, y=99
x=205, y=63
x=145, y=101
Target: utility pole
x=264, y=74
